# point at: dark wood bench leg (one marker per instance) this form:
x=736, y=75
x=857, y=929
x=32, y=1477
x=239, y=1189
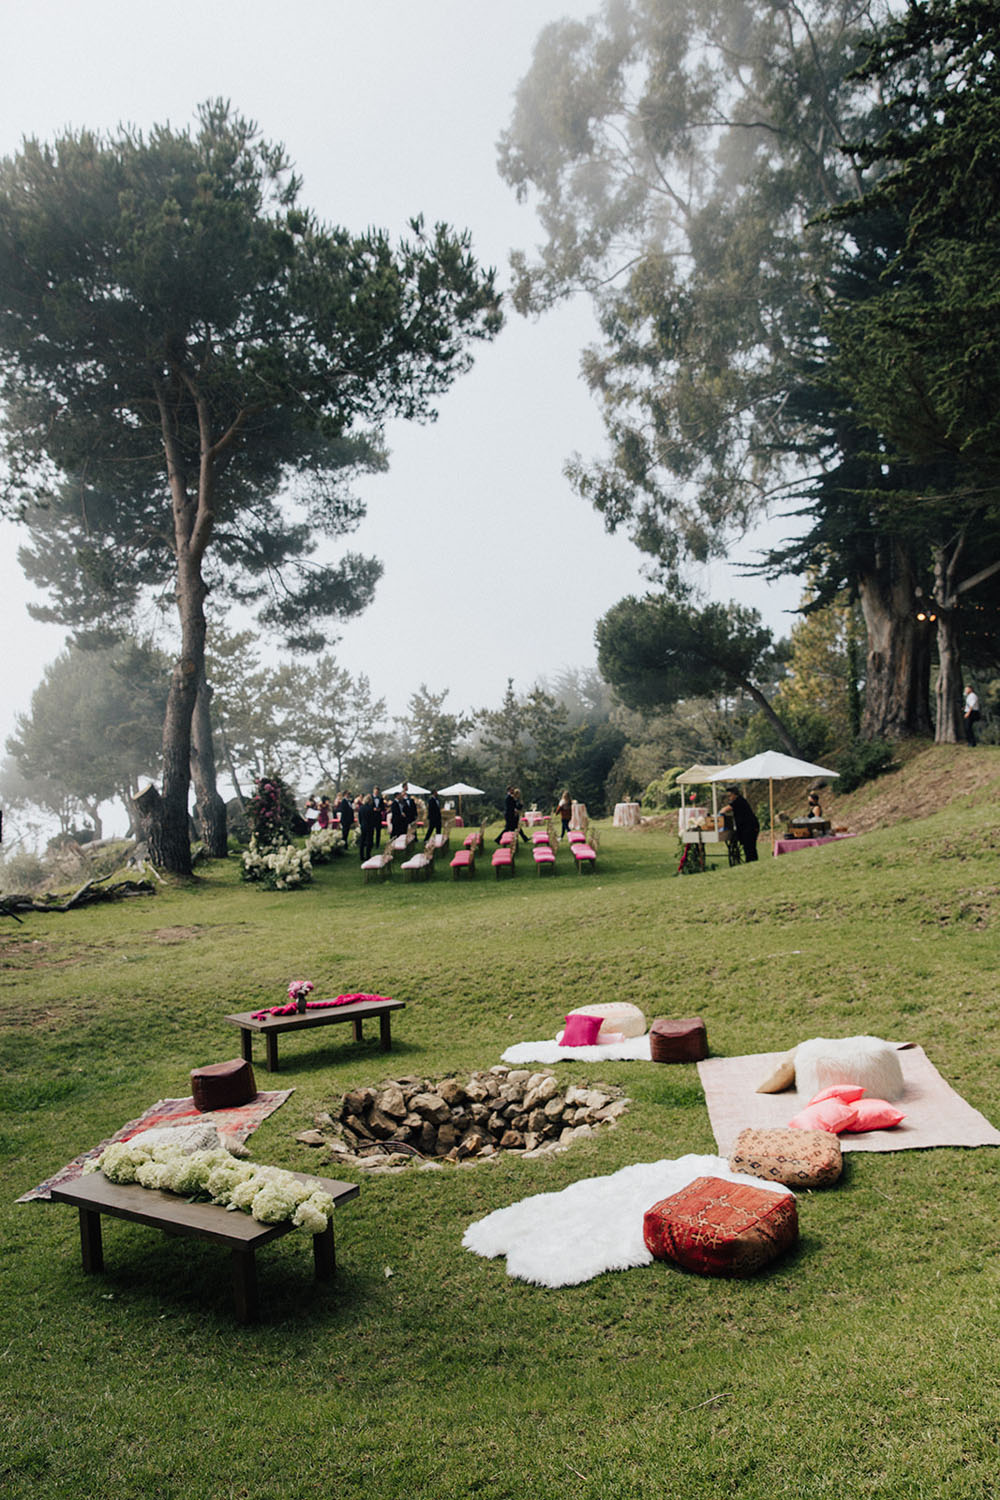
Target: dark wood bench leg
x=357, y=1030
x=271, y=1043
x=245, y=1285
x=91, y=1247
x=246, y=1044
x=325, y=1254
x=385, y=1030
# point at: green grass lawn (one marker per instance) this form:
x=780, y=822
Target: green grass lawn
x=863, y=1365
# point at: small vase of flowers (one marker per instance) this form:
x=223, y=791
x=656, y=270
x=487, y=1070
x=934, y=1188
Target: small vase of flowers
x=298, y=991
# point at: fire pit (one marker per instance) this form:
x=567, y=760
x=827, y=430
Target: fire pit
x=407, y=1120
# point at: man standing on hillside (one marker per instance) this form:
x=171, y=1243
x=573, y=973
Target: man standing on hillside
x=971, y=715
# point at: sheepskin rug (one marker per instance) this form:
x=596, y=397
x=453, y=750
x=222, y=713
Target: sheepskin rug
x=561, y=1239
x=633, y=1049
x=853, y=1059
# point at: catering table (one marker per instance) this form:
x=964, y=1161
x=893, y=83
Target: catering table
x=534, y=819
x=627, y=815
x=578, y=817
x=789, y=846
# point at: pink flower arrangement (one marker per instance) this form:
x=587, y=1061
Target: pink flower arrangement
x=298, y=990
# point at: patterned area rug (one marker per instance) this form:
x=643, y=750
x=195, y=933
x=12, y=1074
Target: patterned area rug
x=935, y=1114
x=239, y=1123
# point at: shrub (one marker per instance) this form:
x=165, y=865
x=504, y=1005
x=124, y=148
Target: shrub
x=865, y=760
x=324, y=845
x=662, y=794
x=22, y=872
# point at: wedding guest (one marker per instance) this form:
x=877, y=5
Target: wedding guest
x=398, y=822
x=324, y=816
x=366, y=827
x=378, y=803
x=433, y=815
x=565, y=811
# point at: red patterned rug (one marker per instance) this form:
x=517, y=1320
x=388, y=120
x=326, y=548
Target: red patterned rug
x=239, y=1122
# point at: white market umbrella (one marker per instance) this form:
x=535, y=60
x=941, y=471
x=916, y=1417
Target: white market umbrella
x=418, y=791
x=461, y=789
x=771, y=766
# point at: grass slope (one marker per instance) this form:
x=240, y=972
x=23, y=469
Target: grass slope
x=864, y=1365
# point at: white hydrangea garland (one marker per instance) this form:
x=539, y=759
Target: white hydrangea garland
x=269, y=1194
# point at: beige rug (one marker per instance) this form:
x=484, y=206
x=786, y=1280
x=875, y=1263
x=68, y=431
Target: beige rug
x=935, y=1114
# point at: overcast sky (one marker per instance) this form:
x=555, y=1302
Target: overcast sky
x=389, y=108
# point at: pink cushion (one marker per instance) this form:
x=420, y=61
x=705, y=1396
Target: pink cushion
x=462, y=857
x=583, y=851
x=576, y=837
x=502, y=857
x=581, y=1031
x=542, y=855
x=830, y=1114
x=874, y=1114
x=847, y=1093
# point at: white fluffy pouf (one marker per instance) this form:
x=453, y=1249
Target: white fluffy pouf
x=617, y=1015
x=863, y=1060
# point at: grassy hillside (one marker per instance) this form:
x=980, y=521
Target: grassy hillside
x=862, y=1365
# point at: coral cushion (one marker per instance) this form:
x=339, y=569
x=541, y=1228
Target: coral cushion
x=847, y=1093
x=874, y=1114
x=830, y=1114
x=720, y=1228
x=798, y=1158
x=581, y=1031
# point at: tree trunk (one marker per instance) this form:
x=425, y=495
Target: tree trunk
x=210, y=810
x=898, y=673
x=948, y=729
x=776, y=723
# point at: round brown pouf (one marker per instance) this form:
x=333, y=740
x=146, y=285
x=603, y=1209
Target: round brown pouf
x=678, y=1041
x=223, y=1085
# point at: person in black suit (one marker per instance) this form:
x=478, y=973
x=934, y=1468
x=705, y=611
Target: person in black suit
x=433, y=815
x=409, y=805
x=366, y=828
x=378, y=804
x=512, y=814
x=745, y=822
x=397, y=817
x=345, y=808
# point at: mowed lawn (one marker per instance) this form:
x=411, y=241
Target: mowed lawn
x=863, y=1365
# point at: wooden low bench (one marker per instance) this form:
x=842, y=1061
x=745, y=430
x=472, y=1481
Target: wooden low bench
x=94, y=1195
x=328, y=1015
x=502, y=859
x=585, y=857
x=463, y=859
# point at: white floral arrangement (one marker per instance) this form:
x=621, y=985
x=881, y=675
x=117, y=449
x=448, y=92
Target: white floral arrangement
x=279, y=868
x=269, y=1194
x=324, y=844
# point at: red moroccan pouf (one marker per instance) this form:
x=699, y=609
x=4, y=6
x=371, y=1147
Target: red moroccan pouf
x=720, y=1228
x=678, y=1041
x=223, y=1085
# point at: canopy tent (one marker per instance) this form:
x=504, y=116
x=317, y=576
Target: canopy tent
x=699, y=775
x=461, y=789
x=417, y=791
x=770, y=766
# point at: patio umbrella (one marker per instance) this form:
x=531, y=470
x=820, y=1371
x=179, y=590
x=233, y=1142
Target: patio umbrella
x=418, y=791
x=461, y=789
x=771, y=766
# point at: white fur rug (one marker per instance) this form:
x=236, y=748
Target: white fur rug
x=561, y=1239
x=634, y=1049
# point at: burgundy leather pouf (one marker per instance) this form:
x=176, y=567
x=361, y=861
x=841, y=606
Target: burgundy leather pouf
x=223, y=1085
x=678, y=1041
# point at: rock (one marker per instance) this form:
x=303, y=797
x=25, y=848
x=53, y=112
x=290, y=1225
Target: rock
x=428, y=1138
x=324, y=1120
x=391, y=1102
x=311, y=1138
x=358, y=1127
x=382, y=1125
x=497, y=1124
x=432, y=1107
x=555, y=1108
x=512, y=1140
x=356, y=1102
x=476, y=1091
x=537, y=1120
x=499, y=1070
x=451, y=1091
x=412, y=1120
x=541, y=1092
x=480, y=1113
x=447, y=1137
x=518, y=1075
x=531, y=1141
